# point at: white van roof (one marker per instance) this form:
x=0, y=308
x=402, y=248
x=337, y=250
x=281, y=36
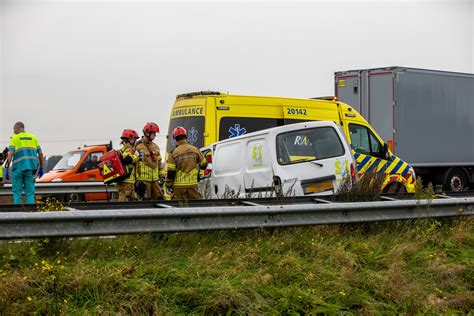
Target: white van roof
x=279, y=129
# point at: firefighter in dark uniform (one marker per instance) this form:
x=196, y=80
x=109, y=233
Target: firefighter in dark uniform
x=126, y=187
x=183, y=165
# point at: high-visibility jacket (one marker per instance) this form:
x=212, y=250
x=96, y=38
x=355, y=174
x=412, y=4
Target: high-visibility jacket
x=183, y=165
x=129, y=150
x=25, y=147
x=1, y=171
x=149, y=162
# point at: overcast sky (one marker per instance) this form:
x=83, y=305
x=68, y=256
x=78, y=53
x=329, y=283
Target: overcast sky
x=81, y=71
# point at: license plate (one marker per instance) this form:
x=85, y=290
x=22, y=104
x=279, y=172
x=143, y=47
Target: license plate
x=318, y=187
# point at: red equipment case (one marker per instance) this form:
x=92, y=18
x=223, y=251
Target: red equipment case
x=112, y=168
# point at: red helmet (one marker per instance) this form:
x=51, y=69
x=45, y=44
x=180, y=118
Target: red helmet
x=151, y=128
x=179, y=131
x=129, y=134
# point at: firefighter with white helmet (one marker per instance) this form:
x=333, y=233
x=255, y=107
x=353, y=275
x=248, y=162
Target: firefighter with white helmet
x=126, y=187
x=183, y=167
x=149, y=168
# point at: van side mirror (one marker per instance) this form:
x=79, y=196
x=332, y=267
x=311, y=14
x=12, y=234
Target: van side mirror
x=385, y=150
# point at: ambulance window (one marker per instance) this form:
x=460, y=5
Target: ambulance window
x=194, y=125
x=237, y=126
x=363, y=141
x=295, y=121
x=307, y=145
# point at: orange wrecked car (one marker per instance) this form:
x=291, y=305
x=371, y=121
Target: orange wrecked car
x=80, y=165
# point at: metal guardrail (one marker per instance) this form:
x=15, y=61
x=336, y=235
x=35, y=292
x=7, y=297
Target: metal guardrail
x=15, y=225
x=49, y=188
x=45, y=188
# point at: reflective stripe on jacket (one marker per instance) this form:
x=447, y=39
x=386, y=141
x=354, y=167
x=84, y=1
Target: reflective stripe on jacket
x=183, y=165
x=149, y=162
x=129, y=150
x=25, y=147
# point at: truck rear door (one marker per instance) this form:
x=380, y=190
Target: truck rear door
x=347, y=88
x=371, y=93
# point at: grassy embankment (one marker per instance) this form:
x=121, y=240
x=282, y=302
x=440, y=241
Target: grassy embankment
x=423, y=266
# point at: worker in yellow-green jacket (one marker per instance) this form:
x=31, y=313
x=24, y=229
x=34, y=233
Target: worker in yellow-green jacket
x=26, y=159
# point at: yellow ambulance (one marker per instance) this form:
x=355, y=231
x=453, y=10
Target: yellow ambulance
x=213, y=116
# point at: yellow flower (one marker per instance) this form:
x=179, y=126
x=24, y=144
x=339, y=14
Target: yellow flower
x=29, y=298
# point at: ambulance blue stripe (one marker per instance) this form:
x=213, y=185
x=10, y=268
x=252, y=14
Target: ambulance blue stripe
x=385, y=166
x=398, y=166
x=404, y=173
x=374, y=165
x=363, y=163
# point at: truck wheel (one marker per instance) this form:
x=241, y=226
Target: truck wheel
x=456, y=181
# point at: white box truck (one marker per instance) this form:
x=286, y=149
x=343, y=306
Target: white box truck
x=425, y=116
x=310, y=158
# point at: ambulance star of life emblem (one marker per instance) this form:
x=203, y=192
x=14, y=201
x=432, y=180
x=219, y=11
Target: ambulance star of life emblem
x=236, y=131
x=192, y=135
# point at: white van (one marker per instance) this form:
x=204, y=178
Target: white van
x=310, y=158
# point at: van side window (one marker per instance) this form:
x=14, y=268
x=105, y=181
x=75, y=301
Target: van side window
x=307, y=145
x=363, y=141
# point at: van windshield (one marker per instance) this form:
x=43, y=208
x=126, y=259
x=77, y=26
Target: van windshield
x=69, y=160
x=194, y=125
x=308, y=145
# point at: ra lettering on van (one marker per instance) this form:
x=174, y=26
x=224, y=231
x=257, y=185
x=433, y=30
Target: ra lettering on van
x=257, y=157
x=302, y=141
x=191, y=111
x=237, y=131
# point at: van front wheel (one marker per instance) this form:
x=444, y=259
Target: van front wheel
x=395, y=188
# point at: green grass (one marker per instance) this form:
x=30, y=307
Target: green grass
x=415, y=267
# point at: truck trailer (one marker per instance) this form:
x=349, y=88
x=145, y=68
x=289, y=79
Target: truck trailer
x=425, y=116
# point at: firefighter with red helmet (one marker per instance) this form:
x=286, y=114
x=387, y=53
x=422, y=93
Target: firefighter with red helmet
x=183, y=165
x=149, y=168
x=126, y=187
